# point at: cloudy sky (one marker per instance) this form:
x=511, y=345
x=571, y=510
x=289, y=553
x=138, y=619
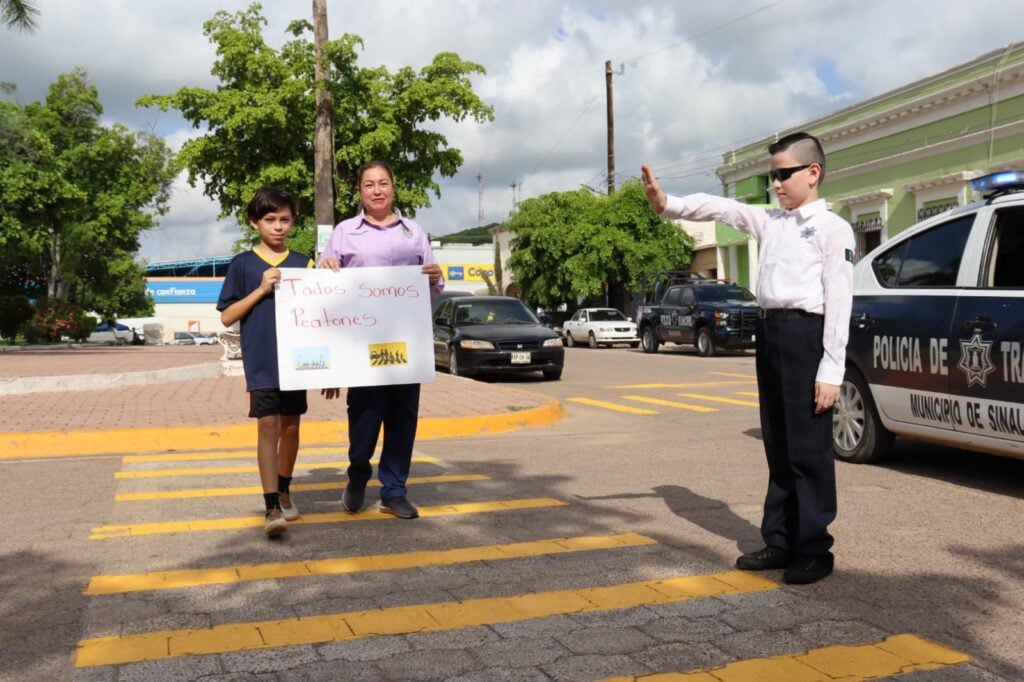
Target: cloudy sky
x=694, y=78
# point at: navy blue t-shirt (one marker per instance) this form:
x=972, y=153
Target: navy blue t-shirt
x=259, y=327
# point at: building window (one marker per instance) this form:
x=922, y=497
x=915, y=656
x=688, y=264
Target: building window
x=935, y=207
x=939, y=194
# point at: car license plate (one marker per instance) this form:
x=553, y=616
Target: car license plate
x=520, y=357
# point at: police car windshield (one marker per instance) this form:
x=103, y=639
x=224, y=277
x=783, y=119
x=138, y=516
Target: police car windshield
x=606, y=315
x=493, y=312
x=722, y=293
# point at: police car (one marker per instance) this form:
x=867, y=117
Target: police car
x=936, y=350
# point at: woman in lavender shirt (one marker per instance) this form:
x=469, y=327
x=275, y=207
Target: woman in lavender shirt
x=378, y=236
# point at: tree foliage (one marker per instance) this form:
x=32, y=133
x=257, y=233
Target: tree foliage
x=569, y=245
x=77, y=196
x=19, y=15
x=261, y=118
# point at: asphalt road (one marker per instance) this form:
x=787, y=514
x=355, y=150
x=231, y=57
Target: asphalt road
x=649, y=488
x=928, y=542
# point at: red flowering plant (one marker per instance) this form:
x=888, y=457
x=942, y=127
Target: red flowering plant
x=56, y=319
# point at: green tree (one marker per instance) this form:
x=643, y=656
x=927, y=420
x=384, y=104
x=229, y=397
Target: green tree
x=570, y=245
x=260, y=119
x=19, y=15
x=77, y=195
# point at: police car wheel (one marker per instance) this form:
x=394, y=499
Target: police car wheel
x=705, y=346
x=857, y=432
x=648, y=341
x=569, y=341
x=592, y=340
x=453, y=363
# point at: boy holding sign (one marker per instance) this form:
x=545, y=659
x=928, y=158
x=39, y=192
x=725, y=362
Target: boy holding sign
x=247, y=296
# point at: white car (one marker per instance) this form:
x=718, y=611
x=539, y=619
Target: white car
x=600, y=327
x=116, y=335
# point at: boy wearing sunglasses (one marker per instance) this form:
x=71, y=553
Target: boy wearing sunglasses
x=804, y=289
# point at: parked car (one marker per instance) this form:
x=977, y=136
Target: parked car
x=204, y=339
x=936, y=350
x=113, y=335
x=183, y=339
x=600, y=327
x=711, y=314
x=499, y=334
x=445, y=295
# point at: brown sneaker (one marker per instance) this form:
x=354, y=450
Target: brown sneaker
x=275, y=523
x=288, y=508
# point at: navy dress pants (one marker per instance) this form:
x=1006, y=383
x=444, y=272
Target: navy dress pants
x=395, y=407
x=801, y=499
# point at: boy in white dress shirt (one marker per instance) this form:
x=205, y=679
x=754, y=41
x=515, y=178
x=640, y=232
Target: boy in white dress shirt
x=804, y=288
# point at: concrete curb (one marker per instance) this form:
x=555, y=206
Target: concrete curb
x=48, y=444
x=99, y=382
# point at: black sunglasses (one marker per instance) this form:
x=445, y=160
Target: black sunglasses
x=783, y=174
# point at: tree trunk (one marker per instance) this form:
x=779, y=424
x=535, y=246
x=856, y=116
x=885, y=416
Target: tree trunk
x=54, y=286
x=323, y=141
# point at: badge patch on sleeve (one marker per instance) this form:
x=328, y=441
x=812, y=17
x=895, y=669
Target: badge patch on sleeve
x=849, y=254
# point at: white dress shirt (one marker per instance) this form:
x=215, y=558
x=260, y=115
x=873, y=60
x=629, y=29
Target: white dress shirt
x=805, y=262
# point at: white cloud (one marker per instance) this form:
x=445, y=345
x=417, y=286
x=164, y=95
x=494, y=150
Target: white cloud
x=698, y=78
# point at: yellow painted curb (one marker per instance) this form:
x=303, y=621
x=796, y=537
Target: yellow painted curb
x=29, y=445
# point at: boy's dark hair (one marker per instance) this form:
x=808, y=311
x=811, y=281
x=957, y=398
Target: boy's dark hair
x=268, y=200
x=805, y=147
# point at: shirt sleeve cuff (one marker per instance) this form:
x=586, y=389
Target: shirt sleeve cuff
x=673, y=208
x=829, y=373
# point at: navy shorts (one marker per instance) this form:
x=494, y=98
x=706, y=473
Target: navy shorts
x=266, y=402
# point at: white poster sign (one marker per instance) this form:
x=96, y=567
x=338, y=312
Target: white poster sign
x=354, y=327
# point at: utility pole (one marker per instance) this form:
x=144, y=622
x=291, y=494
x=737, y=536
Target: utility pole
x=323, y=140
x=479, y=200
x=513, y=197
x=608, y=73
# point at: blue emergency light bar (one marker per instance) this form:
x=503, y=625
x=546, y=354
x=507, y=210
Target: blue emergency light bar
x=1003, y=181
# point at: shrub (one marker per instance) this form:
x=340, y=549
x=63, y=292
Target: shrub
x=14, y=310
x=56, y=319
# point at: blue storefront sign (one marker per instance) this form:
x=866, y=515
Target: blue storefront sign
x=184, y=290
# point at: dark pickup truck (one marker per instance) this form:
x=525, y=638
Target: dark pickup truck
x=711, y=314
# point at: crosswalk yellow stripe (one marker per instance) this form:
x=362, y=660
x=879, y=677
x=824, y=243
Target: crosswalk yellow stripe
x=699, y=384
x=168, y=580
x=164, y=527
x=247, y=453
x=295, y=487
x=752, y=394
x=230, y=637
x=896, y=655
x=718, y=399
x=240, y=469
x=749, y=377
x=670, y=403
x=611, y=406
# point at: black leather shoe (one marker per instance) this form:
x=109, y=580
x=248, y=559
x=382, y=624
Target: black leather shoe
x=400, y=507
x=764, y=560
x=352, y=499
x=807, y=570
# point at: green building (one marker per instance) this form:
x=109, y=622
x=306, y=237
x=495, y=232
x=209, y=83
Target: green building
x=892, y=160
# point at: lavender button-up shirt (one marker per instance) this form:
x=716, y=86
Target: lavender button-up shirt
x=356, y=243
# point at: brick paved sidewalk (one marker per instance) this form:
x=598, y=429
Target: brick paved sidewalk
x=197, y=402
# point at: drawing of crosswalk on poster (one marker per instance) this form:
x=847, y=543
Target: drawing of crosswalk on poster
x=354, y=327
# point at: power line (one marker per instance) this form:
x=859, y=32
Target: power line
x=707, y=32
x=572, y=125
